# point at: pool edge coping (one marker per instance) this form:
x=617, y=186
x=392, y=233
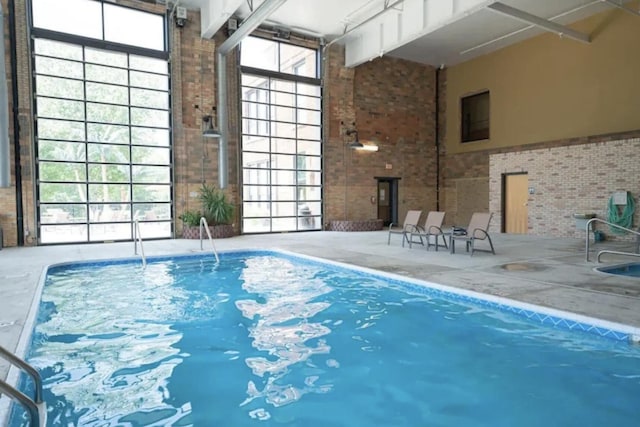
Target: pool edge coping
x=13, y=375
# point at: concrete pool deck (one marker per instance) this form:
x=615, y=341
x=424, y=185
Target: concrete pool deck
x=547, y=271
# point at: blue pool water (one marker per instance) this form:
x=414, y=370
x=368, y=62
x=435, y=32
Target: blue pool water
x=631, y=270
x=267, y=339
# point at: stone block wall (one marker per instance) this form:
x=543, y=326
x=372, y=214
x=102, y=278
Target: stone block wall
x=569, y=179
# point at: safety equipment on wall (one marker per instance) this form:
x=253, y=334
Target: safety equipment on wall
x=620, y=211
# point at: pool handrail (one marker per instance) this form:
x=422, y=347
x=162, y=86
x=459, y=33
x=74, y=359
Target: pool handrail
x=35, y=407
x=138, y=236
x=203, y=223
x=616, y=226
x=607, y=251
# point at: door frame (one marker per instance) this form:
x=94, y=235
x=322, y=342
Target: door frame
x=503, y=191
x=393, y=194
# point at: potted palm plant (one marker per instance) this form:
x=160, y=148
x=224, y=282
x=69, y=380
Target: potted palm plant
x=217, y=210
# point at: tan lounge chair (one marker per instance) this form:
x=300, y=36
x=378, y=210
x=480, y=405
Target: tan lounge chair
x=432, y=227
x=477, y=230
x=410, y=225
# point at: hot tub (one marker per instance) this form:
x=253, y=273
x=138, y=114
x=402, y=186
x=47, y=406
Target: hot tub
x=631, y=269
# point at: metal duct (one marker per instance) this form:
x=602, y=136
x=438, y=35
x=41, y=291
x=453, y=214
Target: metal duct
x=223, y=142
x=5, y=169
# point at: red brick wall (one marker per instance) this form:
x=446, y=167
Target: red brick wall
x=194, y=83
x=8, y=195
x=338, y=107
x=391, y=102
x=8, y=211
x=465, y=186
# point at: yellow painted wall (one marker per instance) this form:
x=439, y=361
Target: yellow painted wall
x=548, y=88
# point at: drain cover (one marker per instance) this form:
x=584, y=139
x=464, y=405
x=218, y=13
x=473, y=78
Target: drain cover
x=522, y=266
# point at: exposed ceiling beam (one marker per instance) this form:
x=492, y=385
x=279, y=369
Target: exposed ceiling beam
x=409, y=21
x=348, y=30
x=528, y=27
x=214, y=14
x=254, y=20
x=545, y=24
x=621, y=6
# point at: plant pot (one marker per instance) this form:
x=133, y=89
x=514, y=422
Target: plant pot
x=217, y=232
x=221, y=231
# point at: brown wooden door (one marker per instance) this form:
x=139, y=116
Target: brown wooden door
x=384, y=202
x=516, y=190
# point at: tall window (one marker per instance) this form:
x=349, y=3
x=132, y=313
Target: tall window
x=281, y=137
x=475, y=117
x=102, y=122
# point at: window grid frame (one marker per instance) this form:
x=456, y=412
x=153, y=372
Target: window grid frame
x=88, y=222
x=266, y=79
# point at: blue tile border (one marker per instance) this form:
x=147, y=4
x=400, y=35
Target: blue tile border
x=538, y=314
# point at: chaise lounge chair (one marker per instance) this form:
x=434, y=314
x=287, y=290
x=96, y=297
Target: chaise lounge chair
x=410, y=225
x=477, y=230
x=432, y=227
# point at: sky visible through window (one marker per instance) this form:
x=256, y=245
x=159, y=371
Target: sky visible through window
x=84, y=18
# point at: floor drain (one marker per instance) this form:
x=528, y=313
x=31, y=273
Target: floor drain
x=522, y=266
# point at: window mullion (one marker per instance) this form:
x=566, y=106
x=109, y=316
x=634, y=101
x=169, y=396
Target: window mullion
x=286, y=137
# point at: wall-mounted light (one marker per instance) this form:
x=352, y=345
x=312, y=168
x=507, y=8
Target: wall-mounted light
x=209, y=128
x=368, y=147
x=357, y=145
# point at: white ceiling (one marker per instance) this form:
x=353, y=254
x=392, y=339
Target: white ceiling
x=322, y=18
x=469, y=29
x=486, y=31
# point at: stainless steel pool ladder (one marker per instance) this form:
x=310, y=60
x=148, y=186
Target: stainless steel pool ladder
x=137, y=236
x=35, y=407
x=205, y=225
x=608, y=251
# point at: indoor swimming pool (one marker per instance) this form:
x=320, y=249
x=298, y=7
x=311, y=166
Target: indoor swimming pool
x=275, y=339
